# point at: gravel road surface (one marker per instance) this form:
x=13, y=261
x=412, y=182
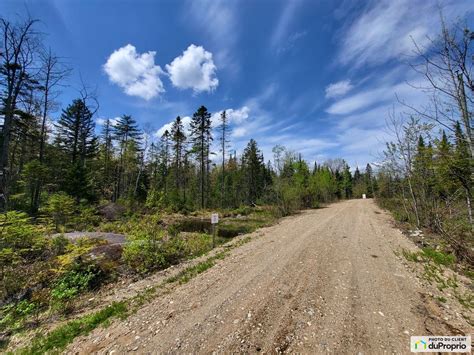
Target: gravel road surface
x=323, y=281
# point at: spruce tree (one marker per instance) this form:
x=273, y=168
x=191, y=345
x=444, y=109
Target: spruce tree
x=178, y=138
x=252, y=166
x=127, y=135
x=76, y=132
x=223, y=140
x=201, y=137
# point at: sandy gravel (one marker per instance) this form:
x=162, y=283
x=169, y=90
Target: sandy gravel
x=324, y=281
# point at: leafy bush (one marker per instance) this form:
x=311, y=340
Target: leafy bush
x=21, y=245
x=148, y=251
x=86, y=219
x=14, y=316
x=73, y=283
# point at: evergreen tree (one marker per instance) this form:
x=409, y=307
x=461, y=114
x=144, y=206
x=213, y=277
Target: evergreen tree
x=223, y=140
x=368, y=180
x=127, y=135
x=253, y=170
x=201, y=137
x=179, y=139
x=76, y=132
x=347, y=182
x=77, y=139
x=462, y=167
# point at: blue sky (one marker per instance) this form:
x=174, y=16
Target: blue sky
x=318, y=77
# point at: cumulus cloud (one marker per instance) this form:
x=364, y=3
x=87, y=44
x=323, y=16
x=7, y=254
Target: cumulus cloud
x=194, y=69
x=338, y=89
x=137, y=74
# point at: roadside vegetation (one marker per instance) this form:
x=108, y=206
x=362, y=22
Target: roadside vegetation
x=60, y=173
x=427, y=171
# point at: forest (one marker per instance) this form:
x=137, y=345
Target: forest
x=61, y=171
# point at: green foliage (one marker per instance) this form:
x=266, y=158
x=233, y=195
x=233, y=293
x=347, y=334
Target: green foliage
x=430, y=255
x=60, y=337
x=86, y=218
x=438, y=257
x=75, y=281
x=191, y=272
x=60, y=207
x=17, y=233
x=15, y=316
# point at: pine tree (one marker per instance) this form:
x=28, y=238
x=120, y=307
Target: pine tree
x=223, y=140
x=462, y=167
x=127, y=135
x=347, y=182
x=179, y=139
x=77, y=139
x=201, y=137
x=368, y=179
x=76, y=132
x=252, y=166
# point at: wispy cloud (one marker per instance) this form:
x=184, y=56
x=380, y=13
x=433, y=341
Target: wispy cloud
x=338, y=89
x=286, y=17
x=291, y=41
x=218, y=20
x=386, y=29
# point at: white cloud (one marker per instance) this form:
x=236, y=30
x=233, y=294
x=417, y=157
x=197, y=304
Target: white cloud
x=386, y=29
x=135, y=73
x=194, y=69
x=234, y=117
x=338, y=89
x=167, y=126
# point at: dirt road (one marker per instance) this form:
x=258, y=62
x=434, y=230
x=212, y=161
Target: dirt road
x=326, y=280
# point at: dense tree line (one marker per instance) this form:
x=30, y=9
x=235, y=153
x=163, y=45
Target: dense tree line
x=182, y=169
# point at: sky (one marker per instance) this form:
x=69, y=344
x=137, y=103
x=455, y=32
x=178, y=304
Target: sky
x=318, y=77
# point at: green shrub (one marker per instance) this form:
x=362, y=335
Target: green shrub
x=60, y=207
x=72, y=283
x=14, y=316
x=143, y=252
x=86, y=219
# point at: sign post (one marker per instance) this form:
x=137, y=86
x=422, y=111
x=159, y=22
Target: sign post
x=214, y=222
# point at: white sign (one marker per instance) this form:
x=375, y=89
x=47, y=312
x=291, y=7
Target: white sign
x=363, y=196
x=215, y=218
